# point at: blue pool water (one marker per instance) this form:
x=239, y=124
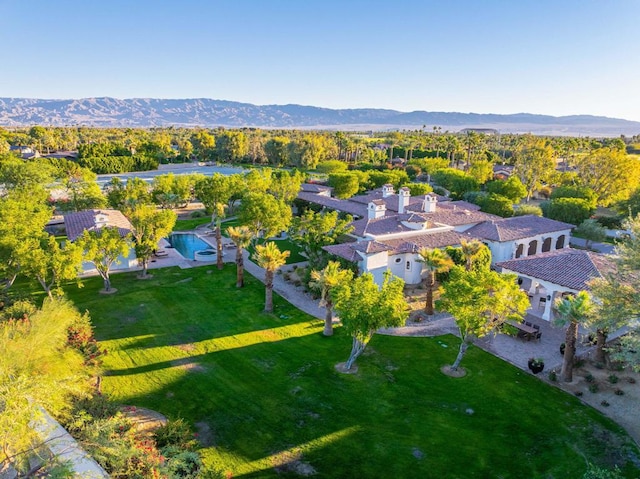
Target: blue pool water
x=187, y=244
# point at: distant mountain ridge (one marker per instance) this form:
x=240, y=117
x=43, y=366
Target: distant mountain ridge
x=150, y=112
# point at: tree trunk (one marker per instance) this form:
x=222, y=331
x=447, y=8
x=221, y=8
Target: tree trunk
x=10, y=282
x=601, y=339
x=145, y=266
x=428, y=307
x=328, y=319
x=268, y=291
x=356, y=350
x=107, y=282
x=219, y=243
x=464, y=345
x=240, y=268
x=569, y=352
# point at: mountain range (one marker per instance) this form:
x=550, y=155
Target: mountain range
x=150, y=112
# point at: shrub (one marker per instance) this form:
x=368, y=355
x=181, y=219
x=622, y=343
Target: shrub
x=613, y=379
x=198, y=214
x=553, y=376
x=569, y=210
x=631, y=380
x=604, y=403
x=619, y=392
x=527, y=210
x=175, y=433
x=578, y=393
x=593, y=387
x=589, y=378
x=609, y=222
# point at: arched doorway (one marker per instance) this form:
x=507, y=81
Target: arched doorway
x=519, y=250
x=533, y=248
x=546, y=245
x=560, y=242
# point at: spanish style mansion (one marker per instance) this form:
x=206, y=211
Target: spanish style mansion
x=390, y=228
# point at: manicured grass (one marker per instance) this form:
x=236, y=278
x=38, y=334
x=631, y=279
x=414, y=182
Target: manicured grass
x=190, y=224
x=189, y=344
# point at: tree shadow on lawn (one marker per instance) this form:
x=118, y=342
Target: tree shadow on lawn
x=264, y=399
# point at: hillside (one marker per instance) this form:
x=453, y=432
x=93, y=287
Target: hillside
x=149, y=112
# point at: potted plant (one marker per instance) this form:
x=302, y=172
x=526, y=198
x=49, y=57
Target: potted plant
x=536, y=365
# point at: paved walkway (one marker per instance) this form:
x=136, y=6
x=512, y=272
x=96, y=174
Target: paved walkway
x=604, y=248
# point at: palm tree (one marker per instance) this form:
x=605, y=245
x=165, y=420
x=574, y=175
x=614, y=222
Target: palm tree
x=471, y=251
x=435, y=261
x=325, y=280
x=270, y=258
x=241, y=237
x=571, y=312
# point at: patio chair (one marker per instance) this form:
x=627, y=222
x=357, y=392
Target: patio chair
x=527, y=323
x=536, y=327
x=538, y=336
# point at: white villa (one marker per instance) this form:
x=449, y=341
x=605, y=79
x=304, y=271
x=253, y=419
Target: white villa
x=392, y=227
x=93, y=220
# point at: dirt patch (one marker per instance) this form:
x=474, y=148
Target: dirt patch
x=111, y=291
x=188, y=365
x=342, y=368
x=290, y=461
x=145, y=421
x=187, y=348
x=144, y=276
x=458, y=373
x=614, y=392
x=204, y=434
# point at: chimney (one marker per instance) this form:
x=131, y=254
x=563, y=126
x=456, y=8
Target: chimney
x=376, y=209
x=387, y=190
x=403, y=199
x=429, y=204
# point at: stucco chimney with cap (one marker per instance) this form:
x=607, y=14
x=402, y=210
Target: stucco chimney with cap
x=429, y=204
x=376, y=209
x=387, y=190
x=403, y=199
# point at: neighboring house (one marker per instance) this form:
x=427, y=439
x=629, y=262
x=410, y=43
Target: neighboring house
x=25, y=152
x=392, y=228
x=502, y=172
x=93, y=220
x=555, y=274
x=64, y=154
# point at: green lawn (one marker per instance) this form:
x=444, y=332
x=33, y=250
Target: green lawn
x=263, y=388
x=190, y=224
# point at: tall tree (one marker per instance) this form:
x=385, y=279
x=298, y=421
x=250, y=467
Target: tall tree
x=214, y=192
x=313, y=230
x=277, y=151
x=204, y=144
x=480, y=300
x=270, y=258
x=41, y=257
x=474, y=252
x=435, y=261
x=231, y=146
x=81, y=188
x=103, y=247
x=327, y=280
x=241, y=237
x=150, y=225
x=533, y=165
x=264, y=214
x=364, y=308
x=571, y=312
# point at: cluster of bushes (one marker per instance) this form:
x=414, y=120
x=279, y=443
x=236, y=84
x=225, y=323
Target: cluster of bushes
x=118, y=164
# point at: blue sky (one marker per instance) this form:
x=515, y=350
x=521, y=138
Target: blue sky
x=557, y=57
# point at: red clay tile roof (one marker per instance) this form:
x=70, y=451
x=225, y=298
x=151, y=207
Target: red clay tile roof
x=335, y=204
x=76, y=223
x=413, y=244
x=349, y=251
x=567, y=267
x=518, y=227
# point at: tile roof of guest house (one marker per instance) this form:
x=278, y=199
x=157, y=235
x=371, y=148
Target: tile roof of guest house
x=567, y=267
x=516, y=228
x=93, y=220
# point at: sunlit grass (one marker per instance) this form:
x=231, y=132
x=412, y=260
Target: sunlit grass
x=262, y=389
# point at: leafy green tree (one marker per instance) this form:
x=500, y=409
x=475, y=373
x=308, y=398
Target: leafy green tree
x=171, y=191
x=241, y=237
x=495, y=204
x=419, y=189
x=591, y=231
x=331, y=166
x=435, y=261
x=618, y=299
x=214, y=192
x=258, y=181
x=149, y=227
x=569, y=210
x=475, y=255
x=285, y=186
x=20, y=174
x=270, y=258
x=264, y=214
x=277, y=150
x=38, y=370
x=41, y=257
x=364, y=308
x=575, y=192
x=480, y=300
x=481, y=170
x=312, y=231
x=344, y=185
x=103, y=247
x=571, y=312
x=512, y=188
x=609, y=173
x=23, y=216
x=523, y=210
x=534, y=165
x=327, y=280
x=81, y=188
x=124, y=196
x=204, y=144
x=307, y=152
x=456, y=181
x=232, y=146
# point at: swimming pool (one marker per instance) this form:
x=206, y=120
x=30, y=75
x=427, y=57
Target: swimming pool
x=187, y=244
